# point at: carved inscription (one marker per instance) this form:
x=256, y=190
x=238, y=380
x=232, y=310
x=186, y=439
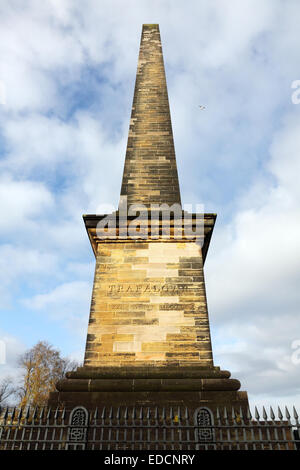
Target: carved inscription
x=146, y=288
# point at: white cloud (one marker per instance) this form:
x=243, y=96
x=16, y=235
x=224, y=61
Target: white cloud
x=14, y=347
x=253, y=275
x=22, y=265
x=81, y=270
x=14, y=261
x=21, y=202
x=67, y=304
x=79, y=150
x=285, y=160
x=33, y=43
x=257, y=249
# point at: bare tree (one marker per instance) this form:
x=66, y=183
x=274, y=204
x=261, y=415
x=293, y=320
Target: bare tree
x=7, y=390
x=42, y=366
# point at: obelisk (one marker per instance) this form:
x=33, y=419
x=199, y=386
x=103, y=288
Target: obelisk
x=148, y=340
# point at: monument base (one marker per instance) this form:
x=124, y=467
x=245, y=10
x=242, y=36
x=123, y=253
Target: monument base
x=149, y=387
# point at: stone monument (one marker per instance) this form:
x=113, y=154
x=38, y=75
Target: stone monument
x=148, y=341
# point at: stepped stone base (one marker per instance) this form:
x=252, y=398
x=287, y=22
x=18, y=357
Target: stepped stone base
x=190, y=387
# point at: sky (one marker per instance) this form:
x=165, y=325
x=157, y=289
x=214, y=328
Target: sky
x=67, y=76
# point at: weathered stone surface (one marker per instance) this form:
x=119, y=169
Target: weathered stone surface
x=146, y=308
x=153, y=371
x=152, y=399
x=144, y=385
x=150, y=171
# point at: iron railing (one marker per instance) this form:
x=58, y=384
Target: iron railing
x=148, y=429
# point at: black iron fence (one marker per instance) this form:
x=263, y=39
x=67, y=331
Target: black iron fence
x=148, y=429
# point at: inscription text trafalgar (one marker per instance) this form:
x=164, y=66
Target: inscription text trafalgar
x=144, y=288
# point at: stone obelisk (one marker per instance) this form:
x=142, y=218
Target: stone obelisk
x=148, y=340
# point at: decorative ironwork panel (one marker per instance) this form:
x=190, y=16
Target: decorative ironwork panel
x=78, y=426
x=204, y=421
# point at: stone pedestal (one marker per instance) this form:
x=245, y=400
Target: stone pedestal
x=191, y=387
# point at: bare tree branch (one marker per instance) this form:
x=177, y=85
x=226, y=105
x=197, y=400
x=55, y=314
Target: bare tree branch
x=7, y=389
